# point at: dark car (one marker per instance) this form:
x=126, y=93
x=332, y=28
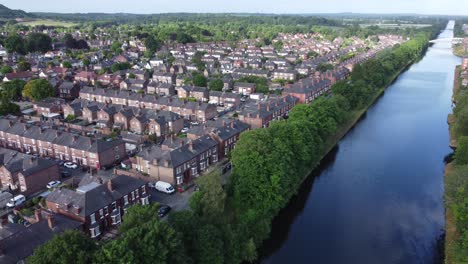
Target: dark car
x=66, y=174
x=164, y=210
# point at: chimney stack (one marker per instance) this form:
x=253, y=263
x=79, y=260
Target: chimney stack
x=110, y=186
x=37, y=215
x=190, y=145
x=51, y=221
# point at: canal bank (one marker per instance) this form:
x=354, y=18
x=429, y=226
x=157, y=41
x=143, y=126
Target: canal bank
x=346, y=209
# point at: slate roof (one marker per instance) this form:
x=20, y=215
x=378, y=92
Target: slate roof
x=94, y=196
x=18, y=242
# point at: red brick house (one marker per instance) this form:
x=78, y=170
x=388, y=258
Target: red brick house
x=99, y=206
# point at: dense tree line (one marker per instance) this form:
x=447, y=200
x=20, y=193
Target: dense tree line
x=34, y=42
x=456, y=183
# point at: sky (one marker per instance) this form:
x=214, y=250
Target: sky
x=446, y=7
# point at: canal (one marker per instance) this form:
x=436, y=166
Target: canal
x=378, y=197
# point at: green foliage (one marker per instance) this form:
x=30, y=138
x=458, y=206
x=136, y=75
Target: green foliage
x=70, y=118
x=323, y=67
x=86, y=62
x=116, y=47
x=461, y=153
x=68, y=247
x=278, y=45
x=210, y=245
x=261, y=83
x=216, y=85
x=15, y=43
x=120, y=66
x=199, y=80
x=39, y=89
x=12, y=90
x=6, y=69
x=144, y=239
x=197, y=61
x=38, y=42
x=67, y=64
x=456, y=193
x=208, y=203
x=151, y=44
x=23, y=66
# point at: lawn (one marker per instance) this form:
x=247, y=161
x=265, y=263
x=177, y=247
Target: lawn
x=48, y=22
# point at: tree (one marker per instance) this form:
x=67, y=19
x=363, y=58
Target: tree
x=151, y=44
x=6, y=69
x=38, y=89
x=69, y=247
x=323, y=67
x=12, y=90
x=120, y=66
x=461, y=153
x=70, y=118
x=23, y=66
x=116, y=47
x=216, y=85
x=208, y=203
x=86, y=62
x=38, y=42
x=278, y=45
x=15, y=43
x=209, y=245
x=67, y=64
x=8, y=107
x=199, y=80
x=69, y=41
x=145, y=239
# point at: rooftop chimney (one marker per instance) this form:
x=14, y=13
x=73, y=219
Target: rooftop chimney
x=190, y=145
x=37, y=215
x=110, y=186
x=51, y=221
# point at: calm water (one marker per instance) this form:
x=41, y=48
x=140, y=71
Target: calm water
x=379, y=197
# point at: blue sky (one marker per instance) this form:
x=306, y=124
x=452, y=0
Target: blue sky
x=451, y=7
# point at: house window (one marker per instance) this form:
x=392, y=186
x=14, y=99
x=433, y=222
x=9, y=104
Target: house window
x=95, y=232
x=125, y=199
x=202, y=165
x=215, y=158
x=114, y=206
x=179, y=170
x=179, y=179
x=101, y=213
x=93, y=218
x=145, y=200
x=194, y=171
x=143, y=190
x=133, y=195
x=106, y=210
x=116, y=219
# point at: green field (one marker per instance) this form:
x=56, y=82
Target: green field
x=48, y=22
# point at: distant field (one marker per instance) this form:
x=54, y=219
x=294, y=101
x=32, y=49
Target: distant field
x=48, y=22
x=397, y=25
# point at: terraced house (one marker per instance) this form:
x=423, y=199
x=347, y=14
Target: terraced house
x=99, y=206
x=65, y=146
x=178, y=164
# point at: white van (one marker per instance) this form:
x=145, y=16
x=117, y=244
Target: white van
x=164, y=187
x=17, y=200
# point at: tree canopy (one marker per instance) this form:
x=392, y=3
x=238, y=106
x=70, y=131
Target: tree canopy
x=39, y=89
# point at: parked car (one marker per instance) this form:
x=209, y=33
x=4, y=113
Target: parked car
x=70, y=165
x=164, y=187
x=194, y=123
x=184, y=130
x=53, y=184
x=16, y=201
x=66, y=174
x=164, y=210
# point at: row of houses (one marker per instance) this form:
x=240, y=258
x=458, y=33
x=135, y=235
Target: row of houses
x=62, y=145
x=122, y=117
x=189, y=110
